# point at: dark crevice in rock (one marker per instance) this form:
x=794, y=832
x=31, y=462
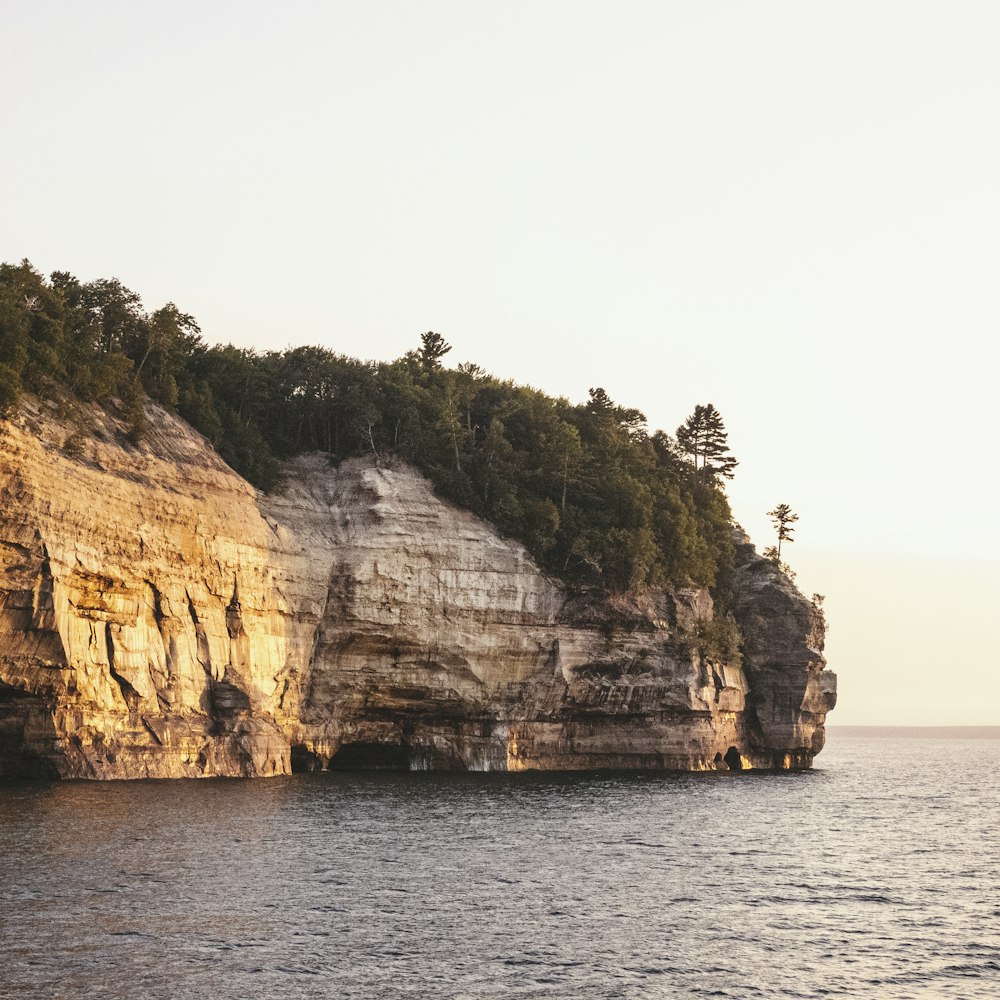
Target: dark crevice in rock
x=228, y=699
x=129, y=693
x=371, y=757
x=204, y=652
x=158, y=615
x=717, y=680
x=234, y=613
x=670, y=607
x=28, y=741
x=552, y=661
x=43, y=596
x=227, y=703
x=303, y=759
x=10, y=694
x=152, y=732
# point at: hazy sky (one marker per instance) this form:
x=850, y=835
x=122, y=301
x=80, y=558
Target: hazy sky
x=788, y=209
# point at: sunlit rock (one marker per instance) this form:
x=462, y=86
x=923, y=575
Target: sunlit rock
x=160, y=618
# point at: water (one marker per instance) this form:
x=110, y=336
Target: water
x=875, y=875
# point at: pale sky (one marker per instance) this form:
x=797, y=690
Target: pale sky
x=788, y=209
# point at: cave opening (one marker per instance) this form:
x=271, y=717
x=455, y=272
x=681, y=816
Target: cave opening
x=303, y=759
x=370, y=757
x=733, y=760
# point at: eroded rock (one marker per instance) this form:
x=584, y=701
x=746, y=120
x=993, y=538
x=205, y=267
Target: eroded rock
x=160, y=618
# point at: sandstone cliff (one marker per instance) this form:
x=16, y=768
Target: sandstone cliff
x=160, y=618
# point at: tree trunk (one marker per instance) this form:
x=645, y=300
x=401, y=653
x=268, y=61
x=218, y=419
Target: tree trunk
x=371, y=441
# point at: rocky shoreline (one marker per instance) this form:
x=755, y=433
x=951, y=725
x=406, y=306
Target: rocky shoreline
x=161, y=618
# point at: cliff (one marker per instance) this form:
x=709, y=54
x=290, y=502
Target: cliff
x=160, y=618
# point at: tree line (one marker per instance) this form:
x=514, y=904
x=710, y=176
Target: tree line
x=597, y=498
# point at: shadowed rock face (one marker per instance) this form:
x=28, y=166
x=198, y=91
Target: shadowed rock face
x=159, y=618
x=783, y=660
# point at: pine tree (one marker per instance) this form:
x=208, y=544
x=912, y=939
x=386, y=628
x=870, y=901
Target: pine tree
x=433, y=347
x=600, y=401
x=783, y=520
x=703, y=436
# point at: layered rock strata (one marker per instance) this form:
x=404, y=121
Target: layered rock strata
x=160, y=618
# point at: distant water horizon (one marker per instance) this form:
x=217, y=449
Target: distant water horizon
x=915, y=732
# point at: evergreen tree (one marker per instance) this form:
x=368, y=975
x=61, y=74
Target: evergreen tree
x=433, y=347
x=703, y=436
x=784, y=523
x=600, y=401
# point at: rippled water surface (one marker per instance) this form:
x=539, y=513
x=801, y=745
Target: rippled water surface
x=875, y=875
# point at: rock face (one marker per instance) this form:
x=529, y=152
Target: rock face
x=160, y=618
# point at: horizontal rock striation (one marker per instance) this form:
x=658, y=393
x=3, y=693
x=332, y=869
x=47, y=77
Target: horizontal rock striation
x=160, y=618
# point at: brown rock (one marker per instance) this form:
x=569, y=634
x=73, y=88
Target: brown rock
x=160, y=618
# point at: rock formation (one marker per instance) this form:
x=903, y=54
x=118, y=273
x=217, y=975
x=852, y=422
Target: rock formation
x=160, y=618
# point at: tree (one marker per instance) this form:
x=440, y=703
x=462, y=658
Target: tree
x=783, y=520
x=161, y=348
x=703, y=436
x=598, y=497
x=115, y=312
x=600, y=401
x=433, y=347
x=31, y=327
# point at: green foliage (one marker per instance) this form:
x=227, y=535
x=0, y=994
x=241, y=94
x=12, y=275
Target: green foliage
x=135, y=416
x=783, y=520
x=719, y=638
x=703, y=436
x=433, y=347
x=10, y=387
x=597, y=500
x=784, y=523
x=774, y=555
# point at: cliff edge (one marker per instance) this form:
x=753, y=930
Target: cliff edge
x=161, y=618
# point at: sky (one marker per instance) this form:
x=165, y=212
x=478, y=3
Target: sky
x=790, y=210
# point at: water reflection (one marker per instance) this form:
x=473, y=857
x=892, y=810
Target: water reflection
x=856, y=876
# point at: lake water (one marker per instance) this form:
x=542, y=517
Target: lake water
x=875, y=875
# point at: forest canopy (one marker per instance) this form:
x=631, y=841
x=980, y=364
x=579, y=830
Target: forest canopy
x=597, y=499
